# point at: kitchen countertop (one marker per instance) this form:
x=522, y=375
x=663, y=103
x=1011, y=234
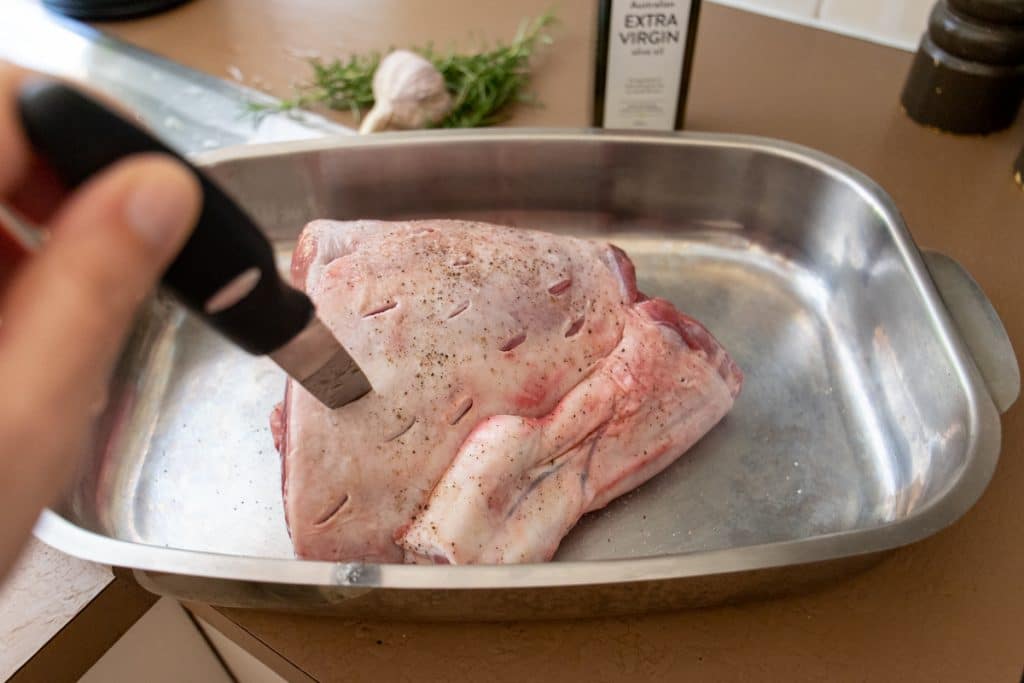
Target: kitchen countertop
x=59, y=614
x=29, y=617
x=948, y=608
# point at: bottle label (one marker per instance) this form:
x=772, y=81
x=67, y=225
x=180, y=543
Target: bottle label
x=646, y=49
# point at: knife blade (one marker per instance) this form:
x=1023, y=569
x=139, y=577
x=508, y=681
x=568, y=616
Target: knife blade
x=225, y=273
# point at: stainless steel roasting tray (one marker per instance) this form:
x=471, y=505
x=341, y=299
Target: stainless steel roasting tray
x=869, y=418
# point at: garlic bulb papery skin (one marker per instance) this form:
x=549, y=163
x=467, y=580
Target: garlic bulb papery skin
x=408, y=92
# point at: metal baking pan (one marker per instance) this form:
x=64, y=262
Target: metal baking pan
x=869, y=418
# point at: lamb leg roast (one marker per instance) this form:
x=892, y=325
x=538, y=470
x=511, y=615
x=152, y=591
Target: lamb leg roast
x=520, y=381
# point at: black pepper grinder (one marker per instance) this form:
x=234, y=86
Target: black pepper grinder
x=968, y=75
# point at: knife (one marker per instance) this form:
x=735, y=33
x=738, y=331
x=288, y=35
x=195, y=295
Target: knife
x=226, y=272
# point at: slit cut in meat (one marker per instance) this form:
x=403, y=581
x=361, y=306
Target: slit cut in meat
x=330, y=514
x=402, y=431
x=461, y=261
x=560, y=286
x=575, y=327
x=461, y=308
x=383, y=308
x=464, y=407
x=514, y=342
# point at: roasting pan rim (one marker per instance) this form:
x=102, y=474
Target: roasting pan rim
x=972, y=479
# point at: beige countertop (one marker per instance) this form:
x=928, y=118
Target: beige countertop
x=46, y=590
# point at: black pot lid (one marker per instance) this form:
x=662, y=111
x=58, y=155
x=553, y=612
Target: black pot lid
x=101, y=10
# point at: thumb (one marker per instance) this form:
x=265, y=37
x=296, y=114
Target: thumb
x=68, y=309
x=65, y=317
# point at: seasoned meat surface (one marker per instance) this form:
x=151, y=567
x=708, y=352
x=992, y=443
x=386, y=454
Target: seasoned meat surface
x=520, y=381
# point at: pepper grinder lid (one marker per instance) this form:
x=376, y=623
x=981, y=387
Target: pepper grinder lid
x=109, y=10
x=968, y=74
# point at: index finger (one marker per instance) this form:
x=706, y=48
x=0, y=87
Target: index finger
x=27, y=183
x=14, y=147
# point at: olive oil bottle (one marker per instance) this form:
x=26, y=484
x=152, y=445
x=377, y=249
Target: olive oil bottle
x=644, y=59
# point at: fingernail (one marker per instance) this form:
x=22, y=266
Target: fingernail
x=162, y=203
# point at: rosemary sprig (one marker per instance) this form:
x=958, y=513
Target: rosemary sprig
x=482, y=84
x=341, y=85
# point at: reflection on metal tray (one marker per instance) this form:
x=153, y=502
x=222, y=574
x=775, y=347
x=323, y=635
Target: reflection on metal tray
x=865, y=422
x=189, y=110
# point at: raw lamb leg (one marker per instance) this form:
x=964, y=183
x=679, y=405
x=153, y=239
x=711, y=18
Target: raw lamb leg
x=520, y=381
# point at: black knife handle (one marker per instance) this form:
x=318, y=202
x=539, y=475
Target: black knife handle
x=79, y=137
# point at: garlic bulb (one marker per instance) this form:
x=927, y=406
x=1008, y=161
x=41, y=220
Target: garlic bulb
x=408, y=93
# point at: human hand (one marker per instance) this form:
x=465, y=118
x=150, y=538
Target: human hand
x=66, y=310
